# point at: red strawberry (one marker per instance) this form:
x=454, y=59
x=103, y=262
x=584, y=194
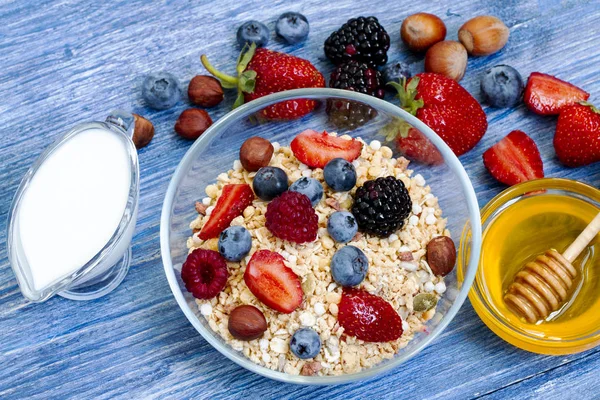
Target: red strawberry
x=317, y=149
x=446, y=107
x=411, y=143
x=577, y=138
x=547, y=95
x=276, y=285
x=514, y=159
x=368, y=317
x=233, y=201
x=262, y=72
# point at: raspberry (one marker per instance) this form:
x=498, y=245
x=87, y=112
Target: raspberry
x=292, y=217
x=204, y=273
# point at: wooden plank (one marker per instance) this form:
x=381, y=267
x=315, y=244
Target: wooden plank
x=67, y=62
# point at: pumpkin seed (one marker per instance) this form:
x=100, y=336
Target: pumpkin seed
x=424, y=302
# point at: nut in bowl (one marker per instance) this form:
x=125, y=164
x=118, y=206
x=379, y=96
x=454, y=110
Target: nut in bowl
x=384, y=266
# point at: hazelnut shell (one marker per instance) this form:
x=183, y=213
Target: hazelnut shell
x=143, y=131
x=205, y=91
x=483, y=35
x=441, y=255
x=420, y=31
x=192, y=123
x=448, y=58
x=246, y=322
x=255, y=153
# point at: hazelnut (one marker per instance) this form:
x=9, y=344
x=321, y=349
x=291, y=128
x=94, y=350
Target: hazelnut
x=205, y=91
x=441, y=255
x=448, y=58
x=311, y=368
x=143, y=131
x=192, y=123
x=255, y=153
x=483, y=35
x=246, y=323
x=422, y=30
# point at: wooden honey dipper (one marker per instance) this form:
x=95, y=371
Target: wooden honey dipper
x=543, y=285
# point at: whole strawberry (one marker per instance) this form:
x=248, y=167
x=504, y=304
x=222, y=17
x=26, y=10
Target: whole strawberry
x=577, y=138
x=262, y=71
x=446, y=107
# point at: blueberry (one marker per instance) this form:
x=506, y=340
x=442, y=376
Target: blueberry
x=340, y=175
x=502, y=86
x=292, y=26
x=349, y=266
x=235, y=243
x=305, y=343
x=161, y=90
x=253, y=32
x=309, y=187
x=342, y=226
x=270, y=182
x=395, y=72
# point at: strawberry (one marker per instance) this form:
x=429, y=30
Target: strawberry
x=262, y=71
x=276, y=285
x=577, y=138
x=233, y=201
x=514, y=159
x=411, y=143
x=547, y=95
x=368, y=317
x=317, y=149
x=446, y=107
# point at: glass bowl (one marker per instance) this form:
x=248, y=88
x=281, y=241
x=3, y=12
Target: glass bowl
x=486, y=296
x=216, y=150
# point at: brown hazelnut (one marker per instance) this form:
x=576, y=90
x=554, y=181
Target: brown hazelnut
x=448, y=58
x=483, y=35
x=246, y=323
x=255, y=153
x=441, y=255
x=205, y=91
x=192, y=123
x=143, y=131
x=420, y=31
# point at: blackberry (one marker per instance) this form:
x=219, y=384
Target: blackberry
x=381, y=206
x=362, y=39
x=358, y=77
x=349, y=115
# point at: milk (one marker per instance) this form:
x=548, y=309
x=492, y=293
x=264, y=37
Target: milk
x=73, y=205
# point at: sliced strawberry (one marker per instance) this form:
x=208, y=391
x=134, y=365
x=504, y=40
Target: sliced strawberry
x=514, y=159
x=368, y=317
x=233, y=201
x=548, y=95
x=276, y=285
x=317, y=149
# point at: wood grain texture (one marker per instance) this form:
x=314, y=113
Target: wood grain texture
x=65, y=62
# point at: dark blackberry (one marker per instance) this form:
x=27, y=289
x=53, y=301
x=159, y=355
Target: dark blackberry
x=349, y=115
x=362, y=39
x=381, y=206
x=358, y=77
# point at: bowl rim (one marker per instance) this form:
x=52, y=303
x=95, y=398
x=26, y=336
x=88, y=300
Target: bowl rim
x=255, y=105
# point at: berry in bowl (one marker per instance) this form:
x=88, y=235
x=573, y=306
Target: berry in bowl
x=316, y=257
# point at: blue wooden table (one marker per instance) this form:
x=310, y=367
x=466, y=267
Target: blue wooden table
x=64, y=62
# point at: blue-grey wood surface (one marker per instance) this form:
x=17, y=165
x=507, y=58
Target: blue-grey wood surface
x=63, y=62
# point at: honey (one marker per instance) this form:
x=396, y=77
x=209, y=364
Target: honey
x=519, y=225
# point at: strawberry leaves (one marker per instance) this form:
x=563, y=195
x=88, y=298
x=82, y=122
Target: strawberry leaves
x=245, y=81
